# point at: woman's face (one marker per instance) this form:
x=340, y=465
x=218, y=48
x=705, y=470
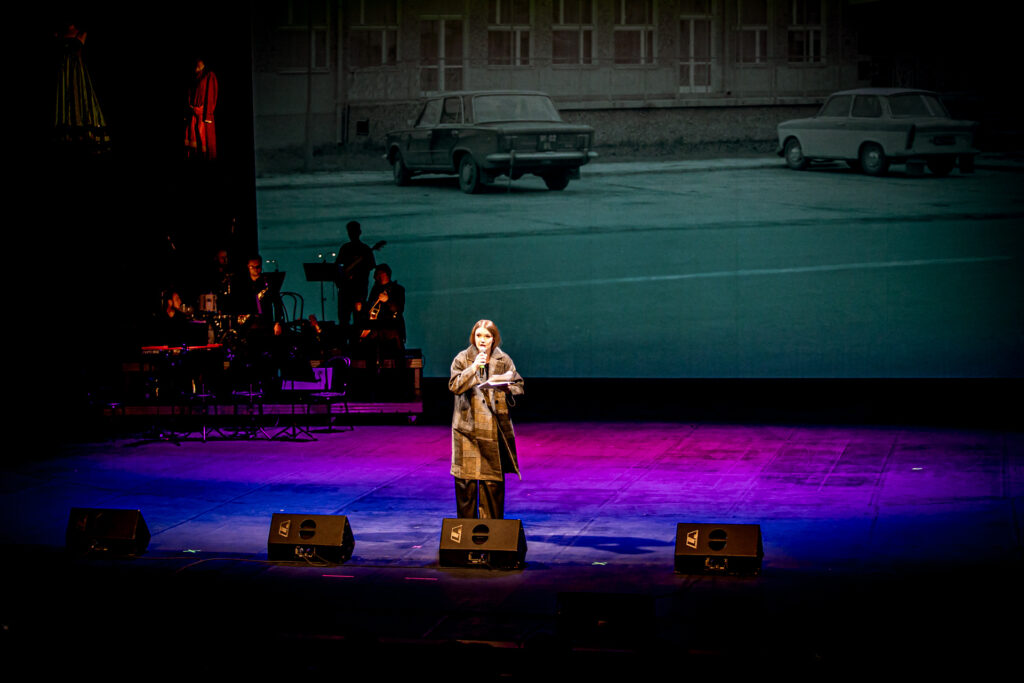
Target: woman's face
x=483, y=340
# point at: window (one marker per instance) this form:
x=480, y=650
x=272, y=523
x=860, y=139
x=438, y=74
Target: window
x=452, y=111
x=917, y=104
x=508, y=32
x=804, y=38
x=752, y=32
x=431, y=111
x=572, y=32
x=634, y=31
x=373, y=39
x=441, y=47
x=695, y=46
x=836, y=106
x=867, y=106
x=296, y=47
x=488, y=108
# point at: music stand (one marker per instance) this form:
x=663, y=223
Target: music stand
x=275, y=280
x=321, y=272
x=295, y=367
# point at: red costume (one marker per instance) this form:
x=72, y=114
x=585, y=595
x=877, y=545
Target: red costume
x=201, y=133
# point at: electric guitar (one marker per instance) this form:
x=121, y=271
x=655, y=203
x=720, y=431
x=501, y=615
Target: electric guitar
x=345, y=271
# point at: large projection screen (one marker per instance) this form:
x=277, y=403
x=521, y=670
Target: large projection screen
x=716, y=272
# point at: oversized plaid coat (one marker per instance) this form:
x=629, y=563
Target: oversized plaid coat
x=483, y=442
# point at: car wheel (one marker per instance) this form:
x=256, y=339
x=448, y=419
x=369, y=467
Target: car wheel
x=401, y=172
x=557, y=181
x=873, y=160
x=795, y=158
x=942, y=165
x=469, y=175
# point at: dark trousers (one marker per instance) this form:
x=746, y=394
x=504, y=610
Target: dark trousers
x=348, y=295
x=480, y=499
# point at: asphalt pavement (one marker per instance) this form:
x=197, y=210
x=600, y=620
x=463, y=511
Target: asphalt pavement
x=992, y=161
x=737, y=266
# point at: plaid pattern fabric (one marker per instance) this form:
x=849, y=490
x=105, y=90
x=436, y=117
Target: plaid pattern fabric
x=483, y=440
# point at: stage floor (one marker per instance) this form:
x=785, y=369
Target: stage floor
x=881, y=544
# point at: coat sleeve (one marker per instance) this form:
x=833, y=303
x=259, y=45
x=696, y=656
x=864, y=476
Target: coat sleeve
x=210, y=103
x=516, y=386
x=396, y=299
x=463, y=375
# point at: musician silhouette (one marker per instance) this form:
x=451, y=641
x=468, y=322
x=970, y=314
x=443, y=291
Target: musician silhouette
x=219, y=277
x=172, y=322
x=355, y=260
x=382, y=318
x=257, y=298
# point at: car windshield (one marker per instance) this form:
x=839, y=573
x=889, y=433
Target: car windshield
x=838, y=105
x=488, y=108
x=917, y=104
x=428, y=117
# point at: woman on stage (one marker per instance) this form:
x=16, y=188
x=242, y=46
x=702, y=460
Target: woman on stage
x=483, y=379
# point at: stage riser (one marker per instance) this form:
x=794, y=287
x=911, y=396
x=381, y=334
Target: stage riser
x=266, y=410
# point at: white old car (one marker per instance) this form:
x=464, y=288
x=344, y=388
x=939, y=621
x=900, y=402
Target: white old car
x=872, y=128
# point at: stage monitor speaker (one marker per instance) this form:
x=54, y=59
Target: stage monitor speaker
x=718, y=548
x=310, y=538
x=106, y=530
x=489, y=543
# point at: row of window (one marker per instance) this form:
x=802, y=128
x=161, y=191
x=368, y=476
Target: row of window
x=373, y=35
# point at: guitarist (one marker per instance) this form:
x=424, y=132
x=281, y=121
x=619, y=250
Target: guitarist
x=355, y=261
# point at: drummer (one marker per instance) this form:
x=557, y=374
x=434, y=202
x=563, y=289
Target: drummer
x=216, y=288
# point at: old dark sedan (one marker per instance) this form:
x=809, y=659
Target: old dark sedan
x=872, y=128
x=483, y=135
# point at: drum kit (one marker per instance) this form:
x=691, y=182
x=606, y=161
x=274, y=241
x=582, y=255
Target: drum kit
x=222, y=329
x=212, y=359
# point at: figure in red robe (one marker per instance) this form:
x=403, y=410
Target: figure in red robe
x=201, y=133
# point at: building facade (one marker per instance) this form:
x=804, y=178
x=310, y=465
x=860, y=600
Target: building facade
x=643, y=72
